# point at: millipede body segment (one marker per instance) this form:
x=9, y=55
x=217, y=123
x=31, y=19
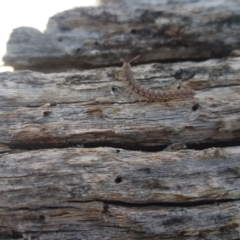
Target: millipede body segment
x=151, y=94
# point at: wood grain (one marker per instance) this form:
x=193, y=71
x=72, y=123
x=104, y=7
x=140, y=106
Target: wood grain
x=92, y=107
x=114, y=193
x=84, y=38
x=87, y=192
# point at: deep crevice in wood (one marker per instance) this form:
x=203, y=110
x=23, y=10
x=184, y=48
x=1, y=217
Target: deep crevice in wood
x=156, y=148
x=44, y=68
x=135, y=204
x=162, y=204
x=10, y=234
x=219, y=144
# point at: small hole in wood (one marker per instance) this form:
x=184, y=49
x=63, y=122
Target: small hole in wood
x=105, y=209
x=117, y=151
x=96, y=43
x=195, y=107
x=133, y=31
x=114, y=90
x=65, y=29
x=46, y=113
x=118, y=180
x=60, y=39
x=42, y=217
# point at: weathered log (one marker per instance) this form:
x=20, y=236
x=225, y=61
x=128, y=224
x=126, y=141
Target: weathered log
x=96, y=37
x=111, y=193
x=92, y=108
x=104, y=193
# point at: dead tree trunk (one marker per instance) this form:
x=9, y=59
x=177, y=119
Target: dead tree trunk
x=97, y=37
x=80, y=158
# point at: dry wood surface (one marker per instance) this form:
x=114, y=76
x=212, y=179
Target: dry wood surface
x=93, y=108
x=111, y=193
x=82, y=158
x=106, y=193
x=99, y=36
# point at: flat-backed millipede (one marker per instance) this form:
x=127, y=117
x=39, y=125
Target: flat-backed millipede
x=151, y=94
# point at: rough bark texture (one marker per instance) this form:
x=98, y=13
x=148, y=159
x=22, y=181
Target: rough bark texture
x=95, y=37
x=107, y=193
x=92, y=107
x=64, y=173
x=104, y=193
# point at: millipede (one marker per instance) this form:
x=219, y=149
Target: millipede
x=151, y=94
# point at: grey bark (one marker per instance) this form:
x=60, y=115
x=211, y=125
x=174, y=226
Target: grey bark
x=96, y=37
x=102, y=193
x=111, y=193
x=64, y=173
x=92, y=108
